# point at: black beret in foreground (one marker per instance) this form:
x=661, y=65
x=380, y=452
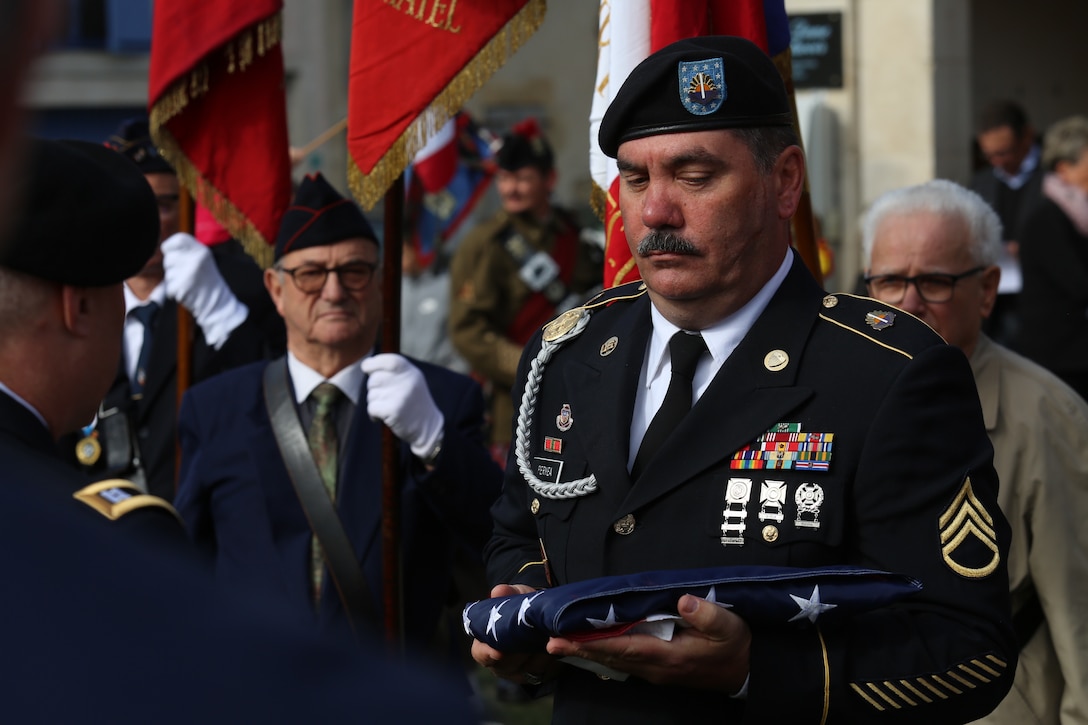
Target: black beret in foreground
x=697, y=84
x=133, y=139
x=88, y=217
x=319, y=216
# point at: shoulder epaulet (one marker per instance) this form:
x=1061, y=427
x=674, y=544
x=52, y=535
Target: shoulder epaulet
x=880, y=323
x=619, y=293
x=116, y=497
x=569, y=320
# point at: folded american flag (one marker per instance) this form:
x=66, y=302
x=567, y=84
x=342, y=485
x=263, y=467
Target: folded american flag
x=607, y=606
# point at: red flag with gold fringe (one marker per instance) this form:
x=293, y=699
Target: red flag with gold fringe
x=219, y=111
x=413, y=66
x=630, y=31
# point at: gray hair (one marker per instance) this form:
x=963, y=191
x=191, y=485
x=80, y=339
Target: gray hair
x=766, y=143
x=944, y=198
x=1066, y=140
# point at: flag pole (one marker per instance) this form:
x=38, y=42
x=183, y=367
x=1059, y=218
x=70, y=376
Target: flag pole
x=186, y=223
x=392, y=243
x=298, y=154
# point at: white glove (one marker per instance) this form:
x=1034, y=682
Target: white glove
x=397, y=395
x=193, y=281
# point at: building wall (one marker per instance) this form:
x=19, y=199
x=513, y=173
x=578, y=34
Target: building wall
x=1034, y=53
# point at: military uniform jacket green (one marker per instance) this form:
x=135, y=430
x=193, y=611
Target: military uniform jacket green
x=908, y=487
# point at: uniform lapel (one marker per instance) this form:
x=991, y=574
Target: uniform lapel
x=359, y=497
x=744, y=399
x=605, y=426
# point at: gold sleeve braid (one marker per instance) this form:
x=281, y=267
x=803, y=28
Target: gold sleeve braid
x=887, y=694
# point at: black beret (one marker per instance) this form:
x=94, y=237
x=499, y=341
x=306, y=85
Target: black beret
x=319, y=216
x=88, y=216
x=525, y=145
x=133, y=139
x=697, y=84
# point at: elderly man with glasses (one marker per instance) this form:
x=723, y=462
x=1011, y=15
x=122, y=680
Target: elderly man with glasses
x=281, y=473
x=933, y=251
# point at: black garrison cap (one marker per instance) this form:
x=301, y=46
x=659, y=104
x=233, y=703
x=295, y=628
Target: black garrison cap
x=319, y=216
x=88, y=216
x=697, y=84
x=133, y=139
x=525, y=145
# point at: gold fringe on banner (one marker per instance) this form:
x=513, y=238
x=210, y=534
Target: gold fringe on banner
x=235, y=222
x=237, y=57
x=368, y=189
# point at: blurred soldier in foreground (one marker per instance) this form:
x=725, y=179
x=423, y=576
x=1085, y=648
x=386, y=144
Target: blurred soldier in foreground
x=61, y=309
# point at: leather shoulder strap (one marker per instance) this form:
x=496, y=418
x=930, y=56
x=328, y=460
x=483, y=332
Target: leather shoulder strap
x=320, y=512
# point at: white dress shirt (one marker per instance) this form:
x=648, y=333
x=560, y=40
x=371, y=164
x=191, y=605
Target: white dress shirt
x=721, y=340
x=134, y=329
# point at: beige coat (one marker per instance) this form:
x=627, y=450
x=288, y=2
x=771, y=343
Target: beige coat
x=1039, y=430
x=487, y=295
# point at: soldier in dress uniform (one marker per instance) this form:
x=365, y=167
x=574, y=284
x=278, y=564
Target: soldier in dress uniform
x=727, y=411
x=515, y=271
x=61, y=308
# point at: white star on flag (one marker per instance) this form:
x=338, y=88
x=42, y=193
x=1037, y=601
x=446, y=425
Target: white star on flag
x=712, y=597
x=812, y=607
x=494, y=618
x=465, y=621
x=609, y=621
x=525, y=604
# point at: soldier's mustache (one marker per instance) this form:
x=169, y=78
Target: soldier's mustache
x=664, y=242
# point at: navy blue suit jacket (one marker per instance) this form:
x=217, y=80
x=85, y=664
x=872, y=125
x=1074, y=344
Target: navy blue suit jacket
x=241, y=508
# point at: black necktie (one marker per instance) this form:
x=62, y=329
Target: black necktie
x=685, y=351
x=146, y=314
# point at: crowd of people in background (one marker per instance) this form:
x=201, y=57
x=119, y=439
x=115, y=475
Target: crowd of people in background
x=722, y=410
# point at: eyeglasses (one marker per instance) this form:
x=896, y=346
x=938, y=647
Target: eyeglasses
x=931, y=287
x=353, y=276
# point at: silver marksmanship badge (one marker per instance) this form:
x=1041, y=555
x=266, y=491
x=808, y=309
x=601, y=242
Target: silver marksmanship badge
x=563, y=324
x=702, y=85
x=809, y=498
x=737, y=493
x=563, y=421
x=880, y=319
x=772, y=497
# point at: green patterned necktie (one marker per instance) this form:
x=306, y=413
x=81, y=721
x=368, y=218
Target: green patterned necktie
x=324, y=446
